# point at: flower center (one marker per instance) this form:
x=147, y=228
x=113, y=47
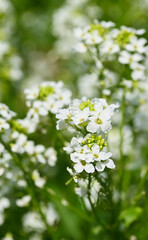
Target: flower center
x=82, y=119
x=83, y=162
x=98, y=121
x=96, y=156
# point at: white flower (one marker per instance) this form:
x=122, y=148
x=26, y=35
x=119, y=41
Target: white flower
x=32, y=222
x=5, y=112
x=94, y=190
x=100, y=166
x=3, y=124
x=2, y=170
x=51, y=156
x=38, y=108
x=84, y=165
x=1, y=148
x=23, y=145
x=51, y=215
x=24, y=201
x=81, y=165
x=109, y=47
x=136, y=45
x=21, y=183
x=81, y=116
x=39, y=182
x=28, y=123
x=108, y=24
x=4, y=203
x=138, y=71
x=100, y=121
x=64, y=114
x=80, y=47
x=82, y=188
x=4, y=48
x=38, y=153
x=127, y=58
x=32, y=94
x=16, y=74
x=92, y=38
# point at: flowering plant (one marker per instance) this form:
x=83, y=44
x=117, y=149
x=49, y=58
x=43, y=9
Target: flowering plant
x=73, y=153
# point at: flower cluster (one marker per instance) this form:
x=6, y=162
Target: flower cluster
x=89, y=154
x=37, y=153
x=47, y=97
x=72, y=14
x=92, y=120
x=108, y=44
x=91, y=116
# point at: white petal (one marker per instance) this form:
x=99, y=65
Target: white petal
x=92, y=127
x=100, y=166
x=104, y=155
x=110, y=164
x=89, y=168
x=74, y=157
x=78, y=167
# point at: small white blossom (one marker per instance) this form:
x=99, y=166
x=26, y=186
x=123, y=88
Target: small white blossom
x=24, y=201
x=32, y=221
x=39, y=181
x=3, y=124
x=127, y=58
x=22, y=145
x=136, y=45
x=51, y=156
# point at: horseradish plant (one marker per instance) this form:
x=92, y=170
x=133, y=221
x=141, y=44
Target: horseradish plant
x=81, y=128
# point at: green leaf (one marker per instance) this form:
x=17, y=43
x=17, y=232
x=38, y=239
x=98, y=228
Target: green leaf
x=130, y=215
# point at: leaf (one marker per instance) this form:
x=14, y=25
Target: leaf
x=130, y=215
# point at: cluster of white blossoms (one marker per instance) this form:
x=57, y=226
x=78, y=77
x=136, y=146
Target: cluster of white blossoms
x=5, y=116
x=46, y=98
x=37, y=153
x=92, y=120
x=108, y=44
x=91, y=116
x=72, y=14
x=89, y=154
